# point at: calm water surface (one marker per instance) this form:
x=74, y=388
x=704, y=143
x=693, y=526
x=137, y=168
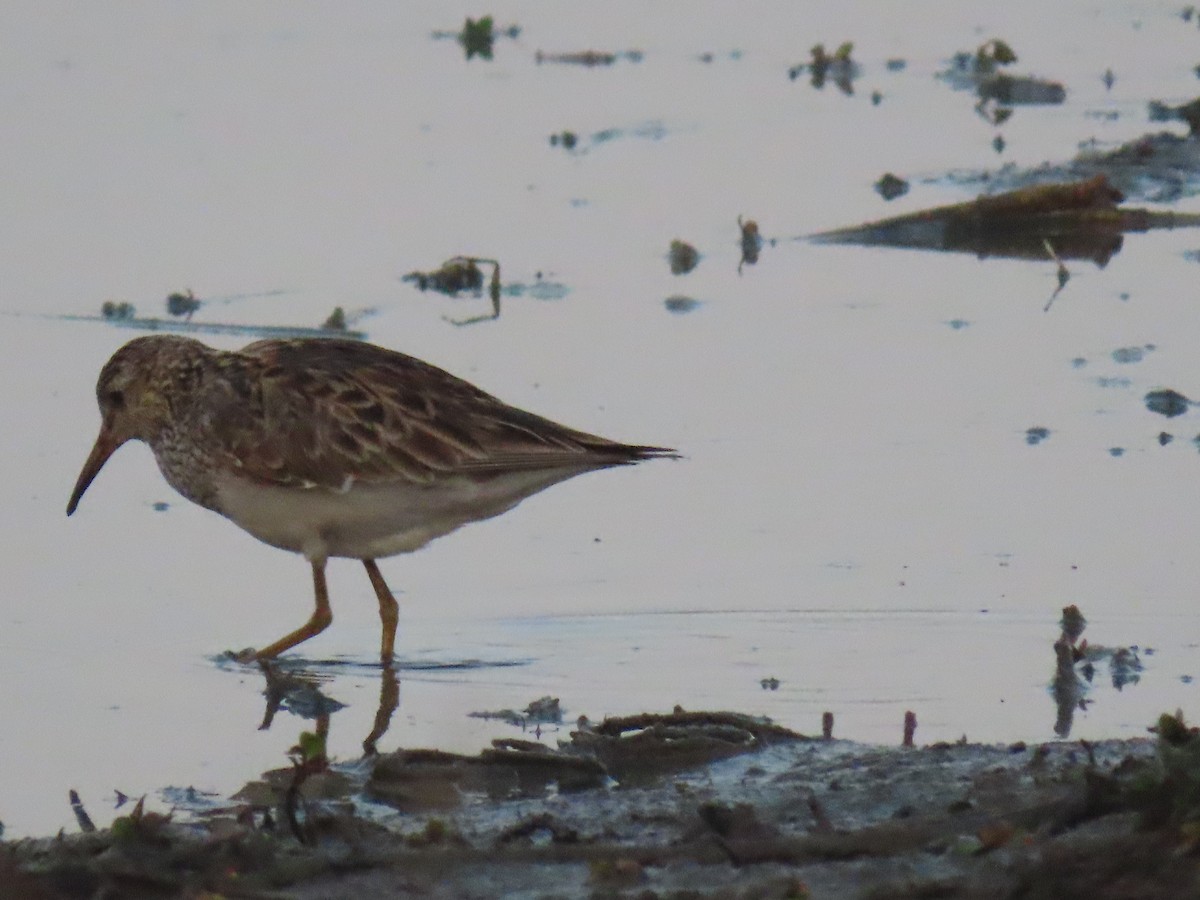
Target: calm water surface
x=859, y=514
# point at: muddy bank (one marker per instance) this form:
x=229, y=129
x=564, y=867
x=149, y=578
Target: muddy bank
x=725, y=810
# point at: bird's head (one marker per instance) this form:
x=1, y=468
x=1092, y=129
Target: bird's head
x=135, y=392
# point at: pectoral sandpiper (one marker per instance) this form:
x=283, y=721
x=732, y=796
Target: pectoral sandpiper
x=332, y=448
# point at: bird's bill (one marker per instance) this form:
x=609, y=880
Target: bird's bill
x=105, y=445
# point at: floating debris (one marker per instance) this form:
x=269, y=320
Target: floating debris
x=1072, y=623
x=890, y=186
x=543, y=711
x=182, y=304
x=1126, y=355
x=336, y=320
x=751, y=242
x=1167, y=402
x=458, y=274
x=117, y=312
x=578, y=144
x=683, y=257
x=1109, y=79
x=980, y=71
x=640, y=749
x=478, y=37
x=1075, y=668
x=839, y=68
x=770, y=684
x=81, y=816
x=1188, y=112
x=1035, y=435
x=1075, y=220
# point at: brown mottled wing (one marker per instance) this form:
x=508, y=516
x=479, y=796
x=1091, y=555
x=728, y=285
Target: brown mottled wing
x=324, y=410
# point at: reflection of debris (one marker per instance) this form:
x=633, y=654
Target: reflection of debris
x=1109, y=79
x=677, y=303
x=992, y=112
x=588, y=58
x=120, y=312
x=1167, y=402
x=1062, y=274
x=998, y=143
x=683, y=257
x=839, y=67
x=1016, y=91
x=751, y=242
x=889, y=186
x=183, y=305
x=1081, y=219
x=298, y=691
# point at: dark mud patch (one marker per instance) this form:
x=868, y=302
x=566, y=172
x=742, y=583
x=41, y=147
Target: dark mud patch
x=786, y=818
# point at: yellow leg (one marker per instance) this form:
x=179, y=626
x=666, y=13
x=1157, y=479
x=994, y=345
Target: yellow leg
x=320, y=620
x=389, y=611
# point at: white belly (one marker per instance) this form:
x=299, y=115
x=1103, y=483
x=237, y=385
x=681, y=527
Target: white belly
x=371, y=521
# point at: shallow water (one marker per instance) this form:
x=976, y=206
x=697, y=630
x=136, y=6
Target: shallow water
x=859, y=514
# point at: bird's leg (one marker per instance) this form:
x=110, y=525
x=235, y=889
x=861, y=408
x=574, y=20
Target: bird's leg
x=320, y=620
x=389, y=611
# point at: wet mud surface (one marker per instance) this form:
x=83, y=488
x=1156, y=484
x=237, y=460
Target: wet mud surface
x=705, y=805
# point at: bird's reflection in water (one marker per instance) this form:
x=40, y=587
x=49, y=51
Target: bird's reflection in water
x=299, y=690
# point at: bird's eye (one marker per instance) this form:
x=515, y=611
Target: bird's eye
x=116, y=399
